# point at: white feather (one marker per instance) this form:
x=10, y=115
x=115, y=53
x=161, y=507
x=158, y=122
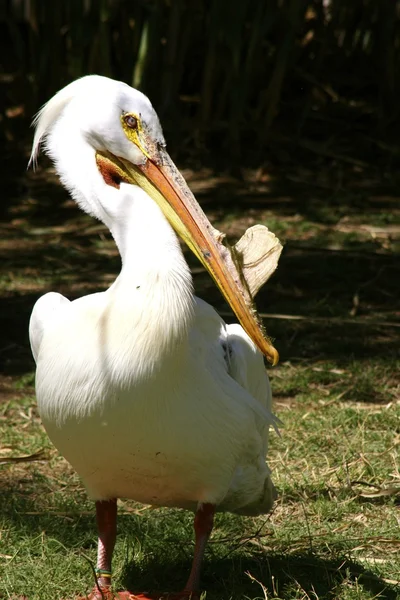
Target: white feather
x=142, y=387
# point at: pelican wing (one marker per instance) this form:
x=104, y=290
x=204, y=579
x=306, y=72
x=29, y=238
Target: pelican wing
x=44, y=310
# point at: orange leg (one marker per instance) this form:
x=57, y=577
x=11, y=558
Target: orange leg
x=106, y=516
x=203, y=524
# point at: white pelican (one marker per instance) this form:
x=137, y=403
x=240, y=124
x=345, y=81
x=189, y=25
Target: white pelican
x=143, y=388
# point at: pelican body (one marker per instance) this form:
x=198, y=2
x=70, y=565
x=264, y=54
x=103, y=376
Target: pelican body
x=143, y=388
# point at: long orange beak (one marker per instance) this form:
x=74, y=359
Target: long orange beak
x=161, y=180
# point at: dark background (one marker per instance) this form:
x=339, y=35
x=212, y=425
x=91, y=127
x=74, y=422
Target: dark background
x=283, y=109
x=234, y=77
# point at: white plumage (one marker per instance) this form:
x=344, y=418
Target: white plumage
x=143, y=388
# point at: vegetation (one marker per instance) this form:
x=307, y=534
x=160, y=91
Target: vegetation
x=332, y=306
x=306, y=74
x=283, y=112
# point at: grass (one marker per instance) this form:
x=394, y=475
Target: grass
x=334, y=533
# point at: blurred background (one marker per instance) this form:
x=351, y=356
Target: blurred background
x=283, y=112
x=234, y=78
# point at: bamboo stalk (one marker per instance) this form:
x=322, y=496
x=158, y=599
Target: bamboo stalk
x=245, y=62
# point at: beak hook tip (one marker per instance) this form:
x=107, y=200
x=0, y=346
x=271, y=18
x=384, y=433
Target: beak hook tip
x=273, y=357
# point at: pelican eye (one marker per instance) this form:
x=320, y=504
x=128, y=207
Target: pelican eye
x=130, y=121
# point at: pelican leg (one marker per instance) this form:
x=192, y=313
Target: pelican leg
x=203, y=524
x=106, y=517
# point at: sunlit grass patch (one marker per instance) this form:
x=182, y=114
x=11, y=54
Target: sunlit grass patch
x=334, y=531
x=362, y=381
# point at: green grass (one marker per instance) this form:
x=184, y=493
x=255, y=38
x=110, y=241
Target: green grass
x=334, y=533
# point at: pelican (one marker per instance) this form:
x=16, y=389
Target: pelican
x=143, y=388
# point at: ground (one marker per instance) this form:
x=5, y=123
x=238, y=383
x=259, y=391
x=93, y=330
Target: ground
x=332, y=308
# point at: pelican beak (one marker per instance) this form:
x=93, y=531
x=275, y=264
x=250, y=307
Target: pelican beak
x=161, y=180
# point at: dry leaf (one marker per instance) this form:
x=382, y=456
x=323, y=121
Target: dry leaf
x=41, y=455
x=389, y=491
x=257, y=252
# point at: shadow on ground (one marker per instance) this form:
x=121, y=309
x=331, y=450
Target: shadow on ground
x=228, y=575
x=345, y=295
x=237, y=579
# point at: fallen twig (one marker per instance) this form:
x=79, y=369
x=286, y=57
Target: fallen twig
x=41, y=455
x=333, y=320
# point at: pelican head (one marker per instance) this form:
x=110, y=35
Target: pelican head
x=114, y=137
